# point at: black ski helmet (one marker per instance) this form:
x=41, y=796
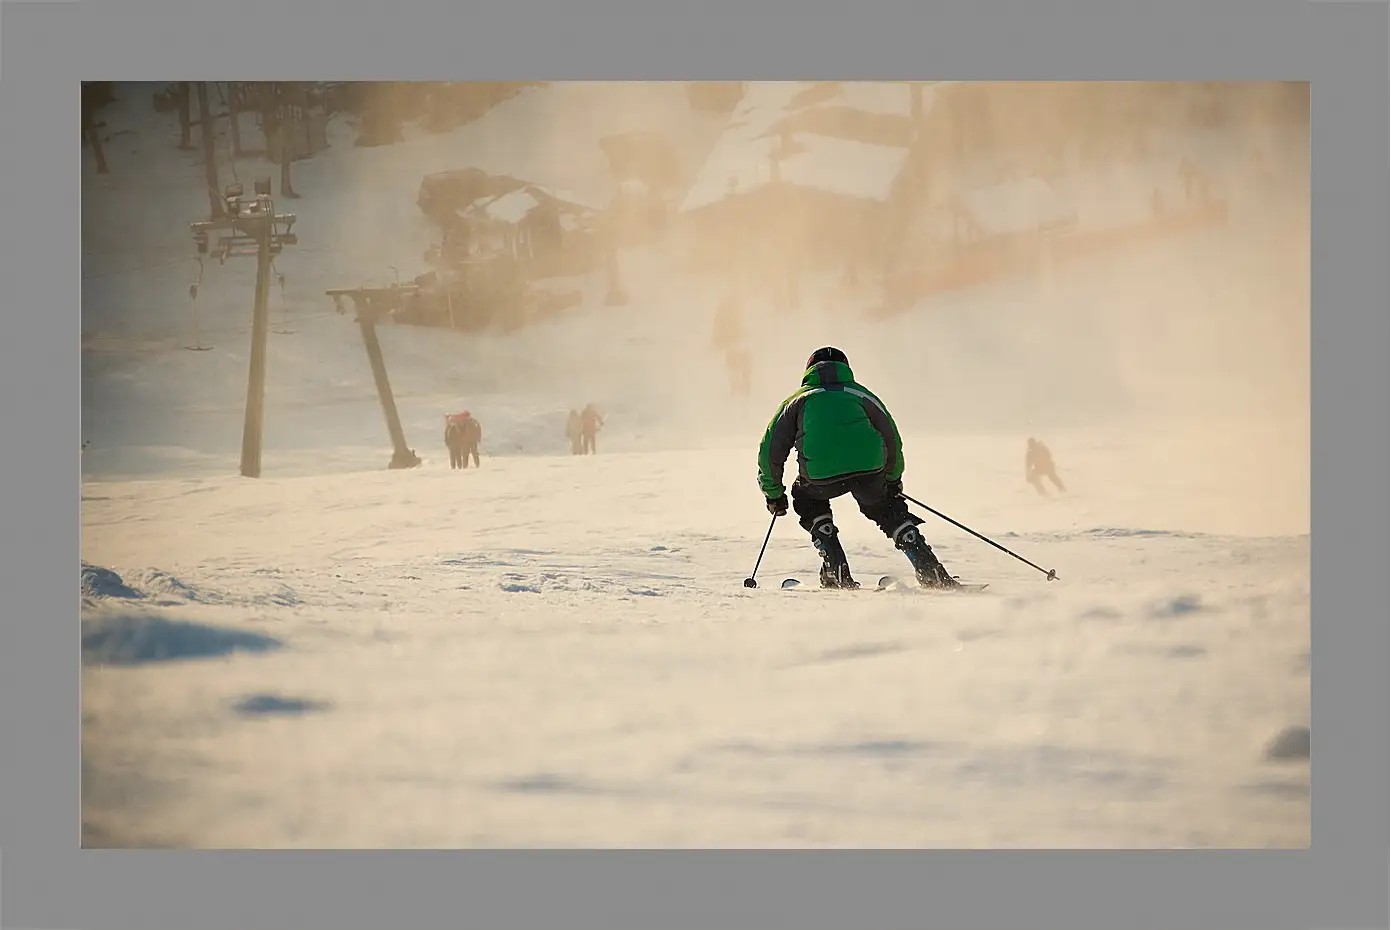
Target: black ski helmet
x=827, y=354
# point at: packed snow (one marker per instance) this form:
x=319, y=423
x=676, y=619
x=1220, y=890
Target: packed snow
x=557, y=651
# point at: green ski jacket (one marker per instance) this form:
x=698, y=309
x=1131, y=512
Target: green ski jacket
x=838, y=427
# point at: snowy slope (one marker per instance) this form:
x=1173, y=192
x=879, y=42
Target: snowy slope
x=558, y=651
x=554, y=650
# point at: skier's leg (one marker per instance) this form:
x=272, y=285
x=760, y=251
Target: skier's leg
x=1057, y=482
x=809, y=506
x=890, y=513
x=1037, y=482
x=477, y=463
x=812, y=504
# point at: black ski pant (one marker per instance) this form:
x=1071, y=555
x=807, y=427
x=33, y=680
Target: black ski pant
x=456, y=455
x=811, y=501
x=1036, y=479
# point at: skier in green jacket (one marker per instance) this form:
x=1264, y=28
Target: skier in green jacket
x=847, y=443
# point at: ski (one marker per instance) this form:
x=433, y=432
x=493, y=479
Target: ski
x=789, y=583
x=888, y=582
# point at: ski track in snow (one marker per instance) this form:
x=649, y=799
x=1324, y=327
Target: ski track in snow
x=557, y=651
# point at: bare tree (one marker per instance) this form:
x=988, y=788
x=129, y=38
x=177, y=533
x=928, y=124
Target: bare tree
x=185, y=101
x=277, y=104
x=234, y=116
x=292, y=101
x=208, y=122
x=91, y=101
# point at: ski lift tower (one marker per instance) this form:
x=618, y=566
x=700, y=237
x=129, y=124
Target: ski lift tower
x=250, y=226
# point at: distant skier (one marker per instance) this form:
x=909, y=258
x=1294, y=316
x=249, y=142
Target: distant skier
x=1038, y=464
x=739, y=367
x=590, y=424
x=573, y=432
x=454, y=440
x=846, y=442
x=473, y=437
x=727, y=329
x=462, y=434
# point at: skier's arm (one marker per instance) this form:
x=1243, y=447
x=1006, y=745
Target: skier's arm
x=893, y=443
x=776, y=446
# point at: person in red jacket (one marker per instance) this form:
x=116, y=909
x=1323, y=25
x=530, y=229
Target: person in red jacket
x=462, y=434
x=590, y=424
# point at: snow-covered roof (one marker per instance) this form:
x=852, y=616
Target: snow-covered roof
x=516, y=205
x=736, y=165
x=763, y=104
x=511, y=208
x=574, y=198
x=841, y=166
x=740, y=160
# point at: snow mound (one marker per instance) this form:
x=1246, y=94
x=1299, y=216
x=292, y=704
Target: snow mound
x=1178, y=606
x=143, y=639
x=100, y=583
x=1289, y=744
x=163, y=586
x=278, y=705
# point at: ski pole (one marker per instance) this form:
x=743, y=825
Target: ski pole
x=749, y=582
x=1049, y=573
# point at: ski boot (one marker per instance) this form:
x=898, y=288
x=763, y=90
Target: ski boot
x=835, y=568
x=930, y=572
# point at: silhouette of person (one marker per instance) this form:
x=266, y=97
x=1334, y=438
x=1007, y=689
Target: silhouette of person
x=1038, y=465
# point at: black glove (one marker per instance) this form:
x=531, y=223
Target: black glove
x=777, y=506
x=896, y=487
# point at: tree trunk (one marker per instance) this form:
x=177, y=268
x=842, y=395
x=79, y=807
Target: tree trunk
x=209, y=126
x=265, y=97
x=234, y=118
x=185, y=116
x=89, y=129
x=290, y=100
